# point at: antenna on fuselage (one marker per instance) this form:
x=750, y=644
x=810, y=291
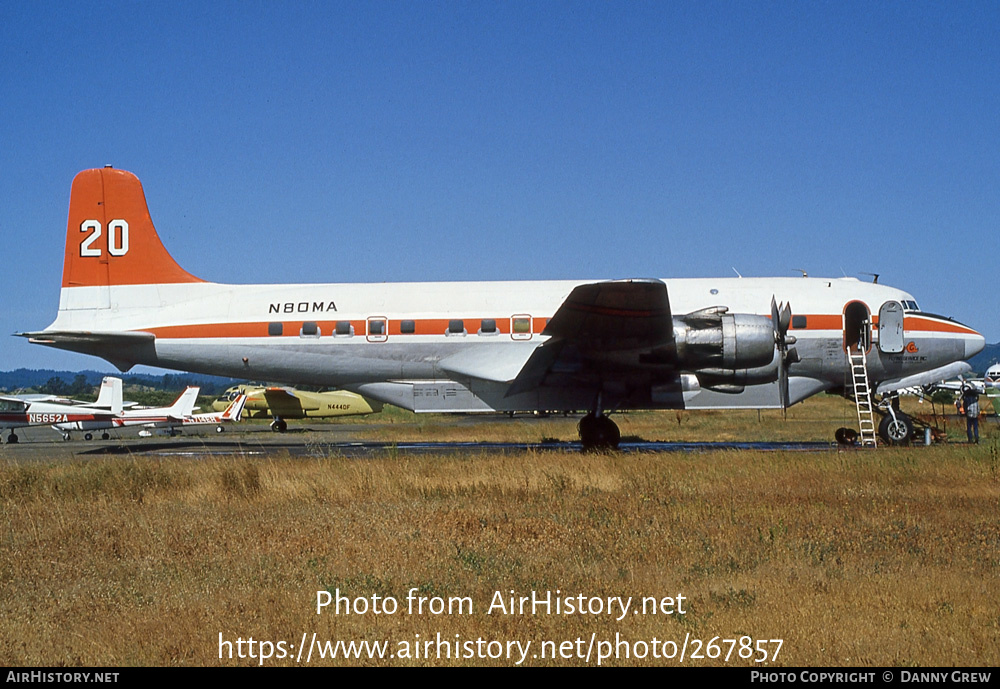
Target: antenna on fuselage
x=804, y=273
x=737, y=272
x=874, y=277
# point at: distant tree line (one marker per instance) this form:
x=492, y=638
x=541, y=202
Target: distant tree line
x=85, y=383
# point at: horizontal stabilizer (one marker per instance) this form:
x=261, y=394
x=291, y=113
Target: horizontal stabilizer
x=123, y=348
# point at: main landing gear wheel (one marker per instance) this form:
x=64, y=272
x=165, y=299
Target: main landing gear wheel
x=279, y=426
x=896, y=431
x=599, y=433
x=12, y=438
x=88, y=436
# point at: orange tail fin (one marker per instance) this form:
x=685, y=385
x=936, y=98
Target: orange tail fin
x=110, y=238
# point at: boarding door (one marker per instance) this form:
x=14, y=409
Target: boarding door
x=890, y=327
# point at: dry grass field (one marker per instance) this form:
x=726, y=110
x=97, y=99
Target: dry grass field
x=850, y=558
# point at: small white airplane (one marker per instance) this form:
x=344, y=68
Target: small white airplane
x=18, y=412
x=594, y=345
x=231, y=414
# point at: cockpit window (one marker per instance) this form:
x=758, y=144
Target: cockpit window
x=910, y=306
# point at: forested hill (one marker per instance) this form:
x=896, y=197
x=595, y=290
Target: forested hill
x=986, y=358
x=80, y=382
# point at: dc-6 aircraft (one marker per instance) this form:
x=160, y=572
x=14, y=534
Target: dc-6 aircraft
x=592, y=345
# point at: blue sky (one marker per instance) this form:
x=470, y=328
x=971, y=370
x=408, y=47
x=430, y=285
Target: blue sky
x=383, y=141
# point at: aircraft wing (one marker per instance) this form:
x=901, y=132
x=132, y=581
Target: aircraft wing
x=615, y=323
x=615, y=316
x=939, y=376
x=282, y=401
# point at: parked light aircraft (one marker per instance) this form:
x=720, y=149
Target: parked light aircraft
x=18, y=412
x=230, y=414
x=598, y=346
x=989, y=385
x=283, y=403
x=179, y=414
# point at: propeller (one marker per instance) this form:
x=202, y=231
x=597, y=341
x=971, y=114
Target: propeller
x=781, y=318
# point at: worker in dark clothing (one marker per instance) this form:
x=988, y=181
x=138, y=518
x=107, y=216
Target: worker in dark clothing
x=970, y=400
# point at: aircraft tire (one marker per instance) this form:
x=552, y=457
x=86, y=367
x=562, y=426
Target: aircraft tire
x=12, y=439
x=219, y=429
x=279, y=426
x=88, y=436
x=896, y=431
x=105, y=436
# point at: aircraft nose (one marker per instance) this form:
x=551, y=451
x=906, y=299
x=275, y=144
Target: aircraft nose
x=974, y=343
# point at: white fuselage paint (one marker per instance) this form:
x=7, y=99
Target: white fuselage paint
x=222, y=330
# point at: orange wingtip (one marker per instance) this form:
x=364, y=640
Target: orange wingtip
x=110, y=238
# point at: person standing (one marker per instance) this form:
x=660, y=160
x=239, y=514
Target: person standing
x=970, y=400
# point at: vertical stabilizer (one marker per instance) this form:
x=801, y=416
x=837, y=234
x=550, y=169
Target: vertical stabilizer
x=110, y=396
x=184, y=405
x=234, y=412
x=110, y=238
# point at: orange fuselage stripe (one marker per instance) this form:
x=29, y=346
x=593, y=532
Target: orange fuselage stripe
x=439, y=326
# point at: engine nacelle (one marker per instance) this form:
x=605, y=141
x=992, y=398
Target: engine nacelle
x=734, y=380
x=712, y=339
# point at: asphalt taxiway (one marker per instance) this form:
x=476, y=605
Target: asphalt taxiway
x=335, y=440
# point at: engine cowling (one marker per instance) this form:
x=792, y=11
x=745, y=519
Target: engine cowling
x=713, y=339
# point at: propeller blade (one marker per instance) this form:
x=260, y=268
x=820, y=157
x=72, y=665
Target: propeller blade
x=786, y=318
x=783, y=384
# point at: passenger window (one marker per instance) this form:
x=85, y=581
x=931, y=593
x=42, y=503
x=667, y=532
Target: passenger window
x=798, y=322
x=343, y=328
x=488, y=326
x=520, y=327
x=456, y=327
x=275, y=329
x=407, y=327
x=377, y=329
x=309, y=329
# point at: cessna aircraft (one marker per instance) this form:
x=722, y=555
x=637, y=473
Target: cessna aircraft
x=230, y=414
x=588, y=345
x=283, y=403
x=18, y=412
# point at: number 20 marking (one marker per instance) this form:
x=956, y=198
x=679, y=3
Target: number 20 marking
x=117, y=238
